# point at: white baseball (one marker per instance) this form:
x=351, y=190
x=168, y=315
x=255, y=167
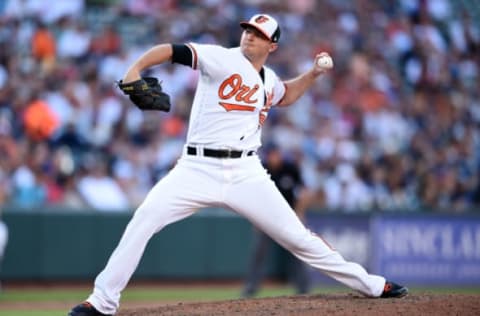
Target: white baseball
x=325, y=62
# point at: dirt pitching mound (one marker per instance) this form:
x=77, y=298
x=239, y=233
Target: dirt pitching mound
x=327, y=304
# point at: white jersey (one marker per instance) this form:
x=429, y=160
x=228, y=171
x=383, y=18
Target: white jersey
x=231, y=101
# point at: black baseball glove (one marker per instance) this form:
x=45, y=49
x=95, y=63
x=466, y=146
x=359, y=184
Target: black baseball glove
x=146, y=93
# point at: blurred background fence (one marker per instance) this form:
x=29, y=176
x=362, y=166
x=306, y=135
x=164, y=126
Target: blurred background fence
x=420, y=249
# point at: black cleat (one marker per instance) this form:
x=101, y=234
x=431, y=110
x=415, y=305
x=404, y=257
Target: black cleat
x=393, y=290
x=85, y=309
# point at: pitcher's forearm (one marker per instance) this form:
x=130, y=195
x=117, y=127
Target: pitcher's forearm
x=154, y=56
x=296, y=87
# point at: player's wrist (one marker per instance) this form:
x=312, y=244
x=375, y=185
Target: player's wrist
x=131, y=78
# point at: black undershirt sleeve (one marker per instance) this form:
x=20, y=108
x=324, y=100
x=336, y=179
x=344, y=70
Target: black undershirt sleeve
x=182, y=55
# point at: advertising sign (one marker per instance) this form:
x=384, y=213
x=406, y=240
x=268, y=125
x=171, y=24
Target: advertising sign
x=427, y=249
x=349, y=234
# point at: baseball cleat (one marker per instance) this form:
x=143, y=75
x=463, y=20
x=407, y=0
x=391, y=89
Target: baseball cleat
x=85, y=309
x=393, y=290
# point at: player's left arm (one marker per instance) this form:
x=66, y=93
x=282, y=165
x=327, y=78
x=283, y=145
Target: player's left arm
x=154, y=56
x=296, y=87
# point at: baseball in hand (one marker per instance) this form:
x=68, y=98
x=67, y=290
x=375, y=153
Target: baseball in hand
x=325, y=62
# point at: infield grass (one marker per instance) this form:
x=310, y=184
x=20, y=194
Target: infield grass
x=57, y=301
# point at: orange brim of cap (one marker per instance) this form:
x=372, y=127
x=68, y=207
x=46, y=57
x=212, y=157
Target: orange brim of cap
x=244, y=24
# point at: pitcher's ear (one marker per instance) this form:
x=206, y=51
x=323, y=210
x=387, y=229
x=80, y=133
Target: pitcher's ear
x=273, y=47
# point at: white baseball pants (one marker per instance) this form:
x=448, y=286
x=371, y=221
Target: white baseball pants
x=240, y=184
x=3, y=238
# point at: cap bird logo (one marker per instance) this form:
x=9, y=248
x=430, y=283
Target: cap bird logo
x=261, y=19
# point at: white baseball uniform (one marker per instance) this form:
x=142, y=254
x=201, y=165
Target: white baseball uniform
x=230, y=105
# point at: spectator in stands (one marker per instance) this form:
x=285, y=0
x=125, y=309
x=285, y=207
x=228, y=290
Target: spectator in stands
x=44, y=48
x=39, y=120
x=99, y=190
x=74, y=40
x=108, y=42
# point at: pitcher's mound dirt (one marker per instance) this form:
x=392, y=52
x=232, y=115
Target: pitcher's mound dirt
x=325, y=304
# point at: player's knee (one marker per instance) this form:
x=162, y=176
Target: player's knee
x=305, y=242
x=297, y=241
x=146, y=216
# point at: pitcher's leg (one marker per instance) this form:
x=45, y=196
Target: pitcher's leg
x=148, y=219
x=314, y=251
x=170, y=200
x=261, y=202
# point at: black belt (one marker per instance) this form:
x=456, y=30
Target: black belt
x=219, y=153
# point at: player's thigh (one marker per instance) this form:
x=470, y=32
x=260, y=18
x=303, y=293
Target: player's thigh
x=263, y=205
x=177, y=195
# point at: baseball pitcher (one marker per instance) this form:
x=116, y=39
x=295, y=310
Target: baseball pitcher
x=219, y=165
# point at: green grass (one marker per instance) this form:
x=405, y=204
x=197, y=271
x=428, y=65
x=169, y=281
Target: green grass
x=136, y=294
x=40, y=295
x=67, y=296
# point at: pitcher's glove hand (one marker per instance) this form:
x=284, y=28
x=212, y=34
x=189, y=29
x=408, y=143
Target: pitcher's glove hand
x=146, y=94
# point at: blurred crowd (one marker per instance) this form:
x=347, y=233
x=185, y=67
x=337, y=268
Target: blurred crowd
x=395, y=125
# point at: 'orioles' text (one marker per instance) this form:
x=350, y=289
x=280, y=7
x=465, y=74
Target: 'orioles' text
x=233, y=88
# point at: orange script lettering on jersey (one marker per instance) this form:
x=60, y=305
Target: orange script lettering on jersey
x=233, y=87
x=265, y=109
